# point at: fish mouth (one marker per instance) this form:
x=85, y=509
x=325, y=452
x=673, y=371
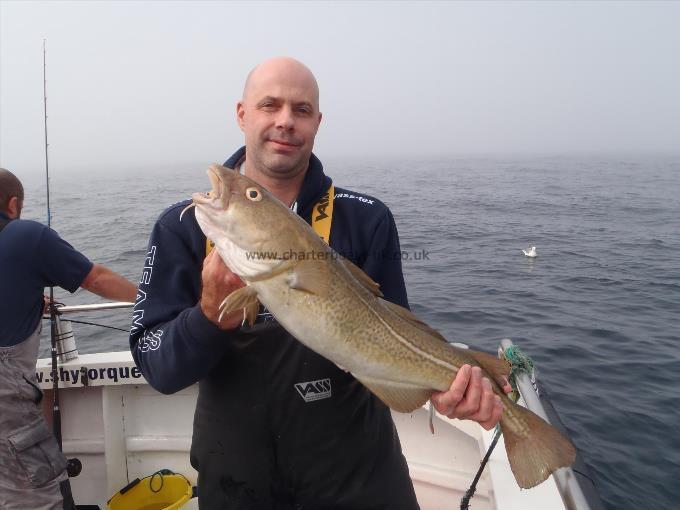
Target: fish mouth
x=217, y=197
x=216, y=191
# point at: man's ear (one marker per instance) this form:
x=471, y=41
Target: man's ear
x=14, y=208
x=240, y=112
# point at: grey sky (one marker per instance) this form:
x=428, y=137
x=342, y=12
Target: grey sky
x=156, y=83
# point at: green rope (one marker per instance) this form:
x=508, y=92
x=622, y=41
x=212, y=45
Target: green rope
x=520, y=364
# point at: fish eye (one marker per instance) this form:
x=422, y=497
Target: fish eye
x=253, y=194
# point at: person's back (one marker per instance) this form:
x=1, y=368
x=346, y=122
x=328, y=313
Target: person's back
x=32, y=257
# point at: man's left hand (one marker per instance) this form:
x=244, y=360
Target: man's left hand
x=471, y=397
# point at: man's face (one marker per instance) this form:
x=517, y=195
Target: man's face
x=279, y=116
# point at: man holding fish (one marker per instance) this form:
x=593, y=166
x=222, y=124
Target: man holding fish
x=282, y=420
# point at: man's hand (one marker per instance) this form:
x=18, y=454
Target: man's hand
x=218, y=283
x=471, y=397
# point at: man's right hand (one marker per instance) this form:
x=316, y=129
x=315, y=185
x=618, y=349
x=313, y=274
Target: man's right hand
x=218, y=283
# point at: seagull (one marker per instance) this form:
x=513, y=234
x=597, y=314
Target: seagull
x=531, y=252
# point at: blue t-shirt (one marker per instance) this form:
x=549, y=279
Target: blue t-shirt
x=32, y=257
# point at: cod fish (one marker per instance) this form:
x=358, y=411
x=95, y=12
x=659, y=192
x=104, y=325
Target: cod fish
x=335, y=309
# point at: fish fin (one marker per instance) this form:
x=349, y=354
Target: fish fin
x=365, y=280
x=409, y=316
x=245, y=297
x=535, y=455
x=499, y=369
x=310, y=276
x=400, y=397
x=252, y=308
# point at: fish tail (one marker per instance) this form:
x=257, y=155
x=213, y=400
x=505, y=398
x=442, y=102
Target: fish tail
x=535, y=448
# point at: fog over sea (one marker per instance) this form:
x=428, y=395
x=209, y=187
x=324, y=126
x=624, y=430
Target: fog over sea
x=597, y=309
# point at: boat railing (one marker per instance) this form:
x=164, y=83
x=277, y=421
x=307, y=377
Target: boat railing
x=67, y=348
x=94, y=307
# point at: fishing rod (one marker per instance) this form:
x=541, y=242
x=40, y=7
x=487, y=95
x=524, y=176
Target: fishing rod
x=73, y=466
x=56, y=410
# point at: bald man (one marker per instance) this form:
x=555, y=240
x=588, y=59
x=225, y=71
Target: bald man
x=33, y=256
x=276, y=425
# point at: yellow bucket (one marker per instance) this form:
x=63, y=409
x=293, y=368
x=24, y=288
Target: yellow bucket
x=163, y=490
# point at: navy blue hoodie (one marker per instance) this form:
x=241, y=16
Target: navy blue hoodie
x=276, y=425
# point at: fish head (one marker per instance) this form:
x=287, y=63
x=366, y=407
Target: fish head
x=213, y=208
x=242, y=218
